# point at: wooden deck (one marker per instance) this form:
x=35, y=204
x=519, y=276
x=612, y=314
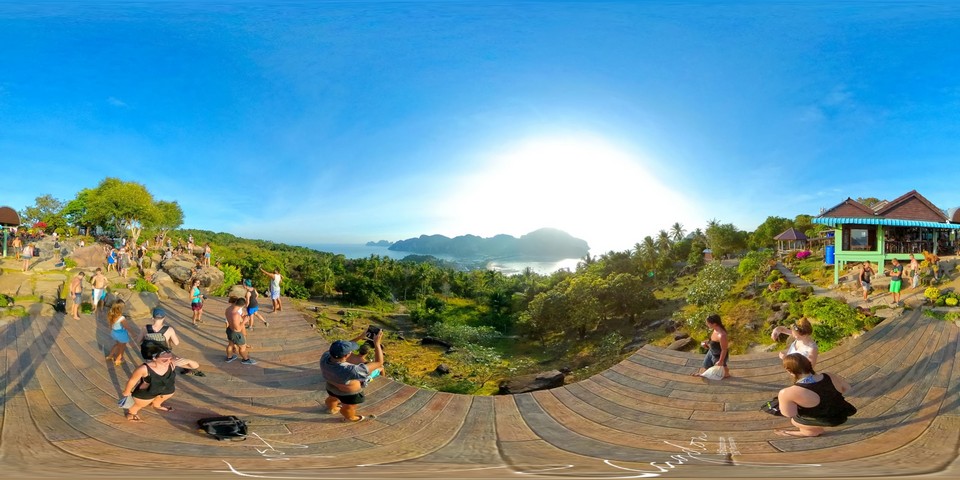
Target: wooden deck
x=645, y=417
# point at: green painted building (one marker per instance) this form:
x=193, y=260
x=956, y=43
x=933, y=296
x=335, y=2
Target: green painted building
x=909, y=224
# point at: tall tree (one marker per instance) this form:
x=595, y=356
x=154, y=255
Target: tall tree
x=677, y=231
x=763, y=236
x=127, y=206
x=45, y=209
x=725, y=239
x=169, y=217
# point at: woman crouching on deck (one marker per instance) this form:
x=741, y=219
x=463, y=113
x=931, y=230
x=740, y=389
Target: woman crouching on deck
x=815, y=400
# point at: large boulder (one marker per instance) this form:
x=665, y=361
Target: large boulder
x=530, y=383
x=682, y=344
x=179, y=268
x=166, y=287
x=91, y=256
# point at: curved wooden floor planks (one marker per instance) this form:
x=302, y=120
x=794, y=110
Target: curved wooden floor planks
x=643, y=418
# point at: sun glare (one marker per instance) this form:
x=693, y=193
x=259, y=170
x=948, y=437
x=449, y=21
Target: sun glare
x=585, y=186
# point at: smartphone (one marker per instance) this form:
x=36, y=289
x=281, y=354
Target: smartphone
x=372, y=332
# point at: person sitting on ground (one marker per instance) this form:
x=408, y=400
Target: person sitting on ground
x=345, y=380
x=163, y=336
x=814, y=401
x=153, y=382
x=717, y=347
x=803, y=343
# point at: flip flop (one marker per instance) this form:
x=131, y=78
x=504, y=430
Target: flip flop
x=788, y=433
x=133, y=417
x=163, y=409
x=362, y=418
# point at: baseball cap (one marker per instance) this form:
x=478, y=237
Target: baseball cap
x=159, y=313
x=342, y=348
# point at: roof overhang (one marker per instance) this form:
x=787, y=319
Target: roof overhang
x=891, y=222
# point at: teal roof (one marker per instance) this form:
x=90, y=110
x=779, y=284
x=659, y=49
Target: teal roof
x=893, y=222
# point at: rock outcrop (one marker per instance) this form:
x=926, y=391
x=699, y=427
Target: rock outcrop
x=530, y=383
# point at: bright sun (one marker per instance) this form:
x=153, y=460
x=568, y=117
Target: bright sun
x=582, y=185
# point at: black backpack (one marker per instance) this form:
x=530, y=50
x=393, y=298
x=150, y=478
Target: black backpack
x=148, y=348
x=60, y=305
x=224, y=428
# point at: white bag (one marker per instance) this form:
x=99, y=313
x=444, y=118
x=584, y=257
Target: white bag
x=713, y=373
x=125, y=402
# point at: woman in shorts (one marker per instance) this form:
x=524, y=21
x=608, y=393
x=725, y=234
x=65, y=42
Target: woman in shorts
x=196, y=303
x=120, y=332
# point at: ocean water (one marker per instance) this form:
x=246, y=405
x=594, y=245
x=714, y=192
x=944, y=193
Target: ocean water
x=505, y=266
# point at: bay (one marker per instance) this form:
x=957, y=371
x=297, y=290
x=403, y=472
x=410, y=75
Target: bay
x=508, y=266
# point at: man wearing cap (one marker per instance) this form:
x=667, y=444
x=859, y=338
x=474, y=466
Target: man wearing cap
x=345, y=380
x=162, y=336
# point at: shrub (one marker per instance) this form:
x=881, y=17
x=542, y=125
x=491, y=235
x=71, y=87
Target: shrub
x=951, y=316
x=951, y=301
x=835, y=320
x=774, y=276
x=803, y=254
x=231, y=277
x=143, y=285
x=711, y=285
x=295, y=290
x=933, y=293
x=69, y=263
x=789, y=295
x=463, y=334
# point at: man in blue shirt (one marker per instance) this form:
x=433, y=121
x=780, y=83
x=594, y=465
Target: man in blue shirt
x=346, y=380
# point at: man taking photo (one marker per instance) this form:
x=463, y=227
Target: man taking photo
x=346, y=380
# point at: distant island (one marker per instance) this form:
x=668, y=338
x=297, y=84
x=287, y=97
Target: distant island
x=544, y=244
x=380, y=243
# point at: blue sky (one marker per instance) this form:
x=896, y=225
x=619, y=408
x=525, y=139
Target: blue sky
x=352, y=121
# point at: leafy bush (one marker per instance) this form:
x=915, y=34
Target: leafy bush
x=69, y=263
x=803, y=254
x=774, y=276
x=835, y=320
x=231, y=277
x=86, y=307
x=143, y=285
x=933, y=293
x=295, y=290
x=789, y=295
x=951, y=301
x=711, y=285
x=951, y=316
x=463, y=334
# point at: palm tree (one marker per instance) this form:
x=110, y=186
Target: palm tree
x=663, y=242
x=677, y=231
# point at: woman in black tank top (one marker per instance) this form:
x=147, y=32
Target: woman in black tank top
x=814, y=400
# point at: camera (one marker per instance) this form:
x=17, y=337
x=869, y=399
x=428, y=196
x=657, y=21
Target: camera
x=371, y=334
